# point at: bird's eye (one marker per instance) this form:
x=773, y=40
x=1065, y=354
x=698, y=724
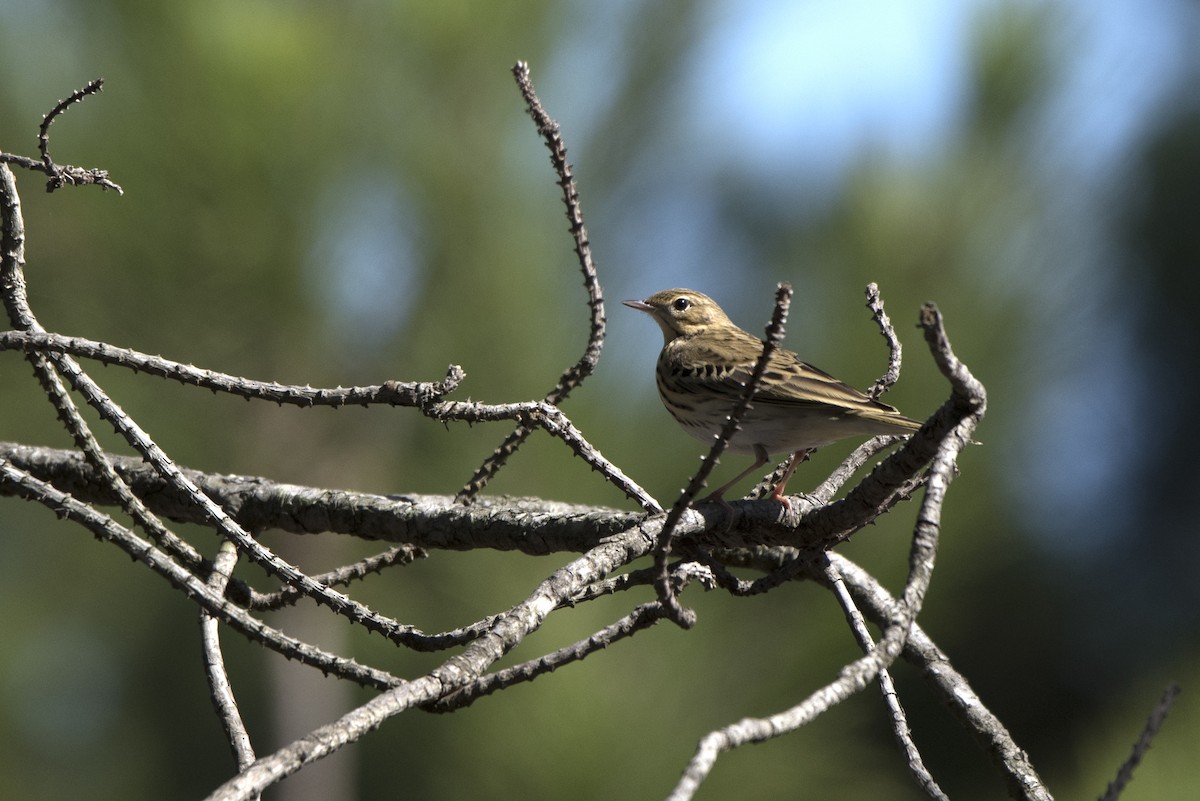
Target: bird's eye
x=681, y=304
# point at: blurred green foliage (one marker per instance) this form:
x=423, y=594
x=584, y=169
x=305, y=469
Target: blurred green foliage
x=328, y=194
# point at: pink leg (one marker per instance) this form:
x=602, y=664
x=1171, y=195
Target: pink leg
x=760, y=458
x=797, y=458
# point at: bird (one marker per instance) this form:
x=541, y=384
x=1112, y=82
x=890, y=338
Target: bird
x=702, y=370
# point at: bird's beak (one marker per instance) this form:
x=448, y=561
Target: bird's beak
x=640, y=305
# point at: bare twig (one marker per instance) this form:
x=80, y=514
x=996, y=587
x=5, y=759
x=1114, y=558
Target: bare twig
x=952, y=687
x=12, y=253
x=65, y=174
x=642, y=617
x=892, y=374
x=1157, y=717
x=968, y=393
x=342, y=576
x=900, y=727
x=575, y=374
x=56, y=177
x=214, y=664
x=544, y=415
x=682, y=574
x=61, y=175
x=393, y=393
x=530, y=525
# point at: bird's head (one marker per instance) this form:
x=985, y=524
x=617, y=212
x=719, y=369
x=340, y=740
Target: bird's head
x=682, y=312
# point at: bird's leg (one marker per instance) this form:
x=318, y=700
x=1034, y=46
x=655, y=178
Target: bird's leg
x=760, y=458
x=797, y=458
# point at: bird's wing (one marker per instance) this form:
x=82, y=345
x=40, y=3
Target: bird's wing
x=725, y=366
x=789, y=380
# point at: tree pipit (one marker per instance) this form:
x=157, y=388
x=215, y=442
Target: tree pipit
x=702, y=370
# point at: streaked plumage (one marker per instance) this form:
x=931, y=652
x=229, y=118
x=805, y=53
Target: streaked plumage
x=702, y=370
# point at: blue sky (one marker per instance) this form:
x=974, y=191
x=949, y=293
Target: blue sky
x=820, y=80
x=828, y=77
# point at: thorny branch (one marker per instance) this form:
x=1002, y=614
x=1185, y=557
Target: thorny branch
x=150, y=489
x=916, y=765
x=62, y=175
x=393, y=393
x=1157, y=717
x=214, y=664
x=892, y=374
x=950, y=686
x=574, y=375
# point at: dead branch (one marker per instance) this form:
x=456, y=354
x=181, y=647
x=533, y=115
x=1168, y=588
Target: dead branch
x=611, y=551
